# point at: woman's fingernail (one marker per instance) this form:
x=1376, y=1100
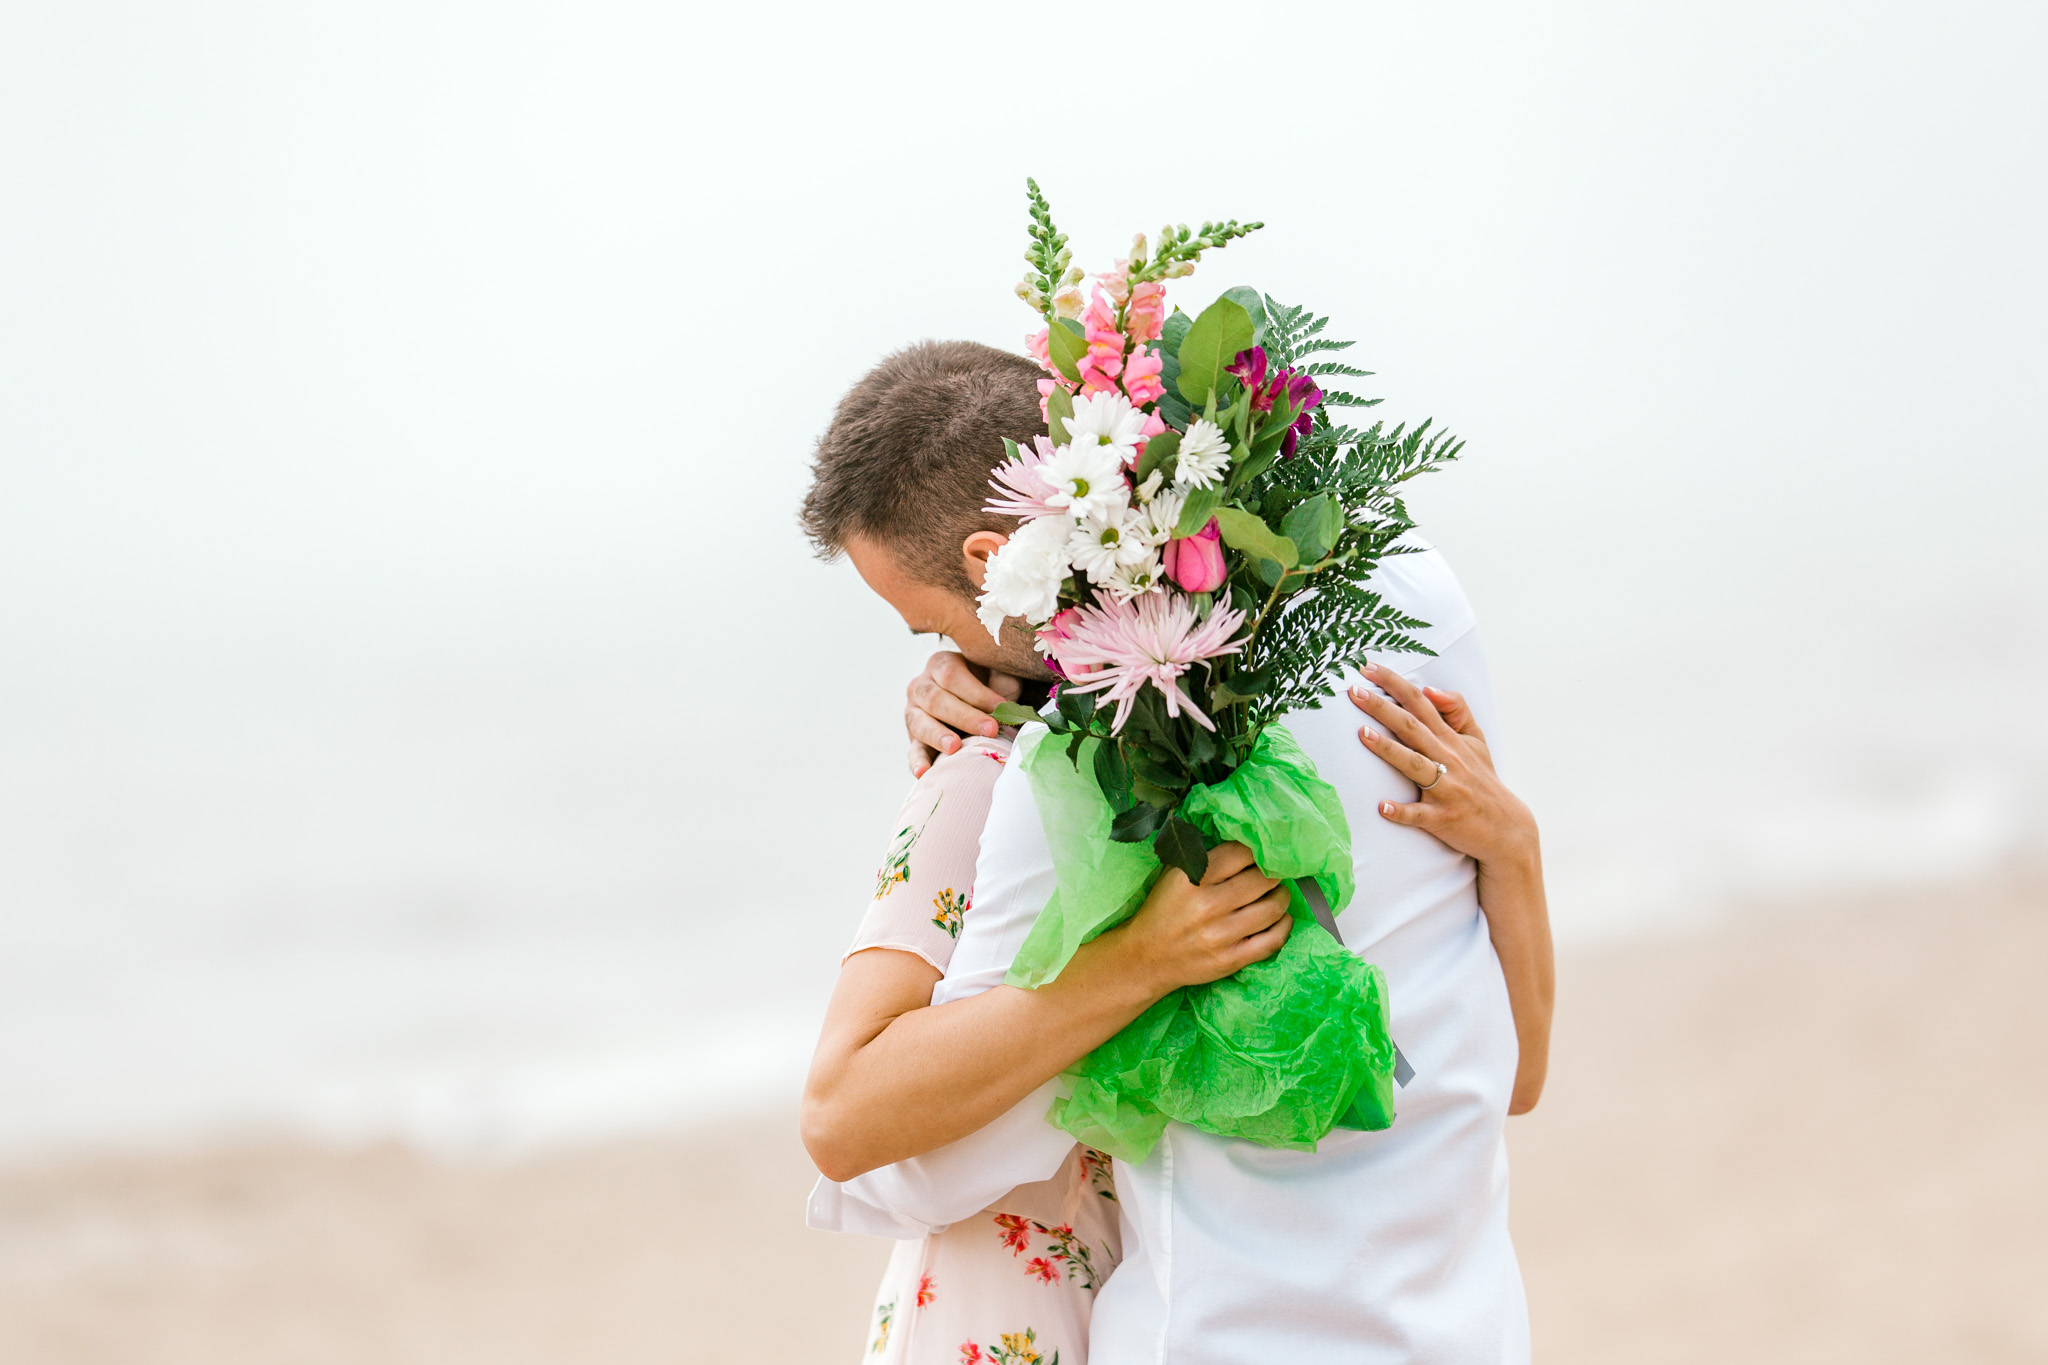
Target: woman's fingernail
x=1387, y=809
x=990, y=728
x=1367, y=733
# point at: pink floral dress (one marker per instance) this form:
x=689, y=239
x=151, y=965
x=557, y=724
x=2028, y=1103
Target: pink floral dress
x=1015, y=1284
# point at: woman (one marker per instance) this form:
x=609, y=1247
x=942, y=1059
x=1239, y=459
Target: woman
x=1017, y=1283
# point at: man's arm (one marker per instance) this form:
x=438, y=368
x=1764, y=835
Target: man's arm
x=895, y=1076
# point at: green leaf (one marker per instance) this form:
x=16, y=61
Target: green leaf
x=1175, y=331
x=1074, y=748
x=1011, y=713
x=1254, y=305
x=1169, y=374
x=1214, y=340
x=1174, y=411
x=1010, y=449
x=1314, y=526
x=1159, y=453
x=1196, y=511
x=1138, y=823
x=1059, y=409
x=1066, y=344
x=1179, y=844
x=1243, y=531
x=1113, y=775
x=1149, y=769
x=1152, y=794
x=1077, y=707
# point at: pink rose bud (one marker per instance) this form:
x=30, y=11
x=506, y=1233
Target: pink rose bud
x=1196, y=562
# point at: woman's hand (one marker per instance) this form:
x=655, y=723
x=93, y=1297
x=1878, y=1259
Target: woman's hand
x=1464, y=803
x=951, y=698
x=1431, y=739
x=1189, y=935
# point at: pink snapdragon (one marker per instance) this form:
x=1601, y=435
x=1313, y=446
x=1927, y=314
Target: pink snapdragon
x=1105, y=358
x=1145, y=318
x=1021, y=490
x=1117, y=647
x=1037, y=344
x=1196, y=562
x=1141, y=376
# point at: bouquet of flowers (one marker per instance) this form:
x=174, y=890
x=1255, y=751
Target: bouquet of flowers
x=1196, y=538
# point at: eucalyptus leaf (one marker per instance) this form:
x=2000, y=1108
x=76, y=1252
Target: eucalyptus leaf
x=1179, y=844
x=1243, y=531
x=1223, y=329
x=1254, y=305
x=1066, y=344
x=1059, y=410
x=1196, y=511
x=1314, y=526
x=1175, y=330
x=1012, y=713
x=1174, y=411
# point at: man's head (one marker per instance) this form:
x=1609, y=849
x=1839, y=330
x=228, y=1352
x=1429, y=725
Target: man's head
x=900, y=478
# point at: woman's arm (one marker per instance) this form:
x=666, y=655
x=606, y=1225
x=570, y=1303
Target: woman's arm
x=895, y=1076
x=1468, y=807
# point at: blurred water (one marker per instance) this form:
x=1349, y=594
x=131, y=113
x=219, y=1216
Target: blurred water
x=419, y=716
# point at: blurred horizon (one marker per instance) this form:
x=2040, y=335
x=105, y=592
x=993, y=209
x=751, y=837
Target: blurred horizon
x=423, y=718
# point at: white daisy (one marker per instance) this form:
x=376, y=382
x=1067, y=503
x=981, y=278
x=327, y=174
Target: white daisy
x=1108, y=421
x=1135, y=580
x=1087, y=480
x=1159, y=517
x=1099, y=546
x=1204, y=455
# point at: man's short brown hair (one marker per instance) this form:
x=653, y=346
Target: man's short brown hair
x=907, y=458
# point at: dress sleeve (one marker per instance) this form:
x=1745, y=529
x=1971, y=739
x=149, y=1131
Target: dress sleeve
x=925, y=886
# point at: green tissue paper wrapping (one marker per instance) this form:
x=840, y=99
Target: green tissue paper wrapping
x=1280, y=1053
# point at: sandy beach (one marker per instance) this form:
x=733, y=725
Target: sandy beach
x=1811, y=1134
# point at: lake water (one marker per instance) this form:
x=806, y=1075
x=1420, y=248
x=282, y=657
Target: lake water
x=419, y=717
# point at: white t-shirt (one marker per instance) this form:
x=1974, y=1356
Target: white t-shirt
x=1377, y=1247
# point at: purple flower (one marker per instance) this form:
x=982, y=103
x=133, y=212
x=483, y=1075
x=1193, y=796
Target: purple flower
x=1249, y=367
x=1301, y=392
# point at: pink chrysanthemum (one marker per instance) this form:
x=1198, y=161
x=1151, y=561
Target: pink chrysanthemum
x=1021, y=491
x=1117, y=647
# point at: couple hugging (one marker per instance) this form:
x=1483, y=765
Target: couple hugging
x=959, y=1101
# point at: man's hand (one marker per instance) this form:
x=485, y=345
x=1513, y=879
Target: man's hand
x=951, y=698
x=1187, y=935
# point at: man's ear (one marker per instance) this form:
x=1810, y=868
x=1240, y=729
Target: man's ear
x=975, y=552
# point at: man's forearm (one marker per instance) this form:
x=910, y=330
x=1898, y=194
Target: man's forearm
x=1518, y=920
x=931, y=1076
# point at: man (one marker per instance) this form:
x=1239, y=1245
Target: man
x=1379, y=1247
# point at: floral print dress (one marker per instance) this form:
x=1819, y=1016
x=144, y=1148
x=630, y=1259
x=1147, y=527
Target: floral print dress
x=1015, y=1284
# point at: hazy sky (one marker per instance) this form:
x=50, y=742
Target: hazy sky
x=403, y=410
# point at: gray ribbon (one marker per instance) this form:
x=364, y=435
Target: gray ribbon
x=1319, y=906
